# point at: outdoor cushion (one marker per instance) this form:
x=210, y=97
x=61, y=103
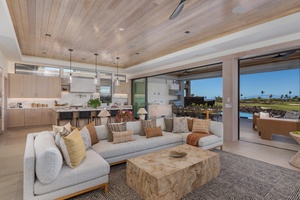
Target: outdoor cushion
x=93, y=166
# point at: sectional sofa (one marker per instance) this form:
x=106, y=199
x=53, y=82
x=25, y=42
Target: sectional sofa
x=92, y=172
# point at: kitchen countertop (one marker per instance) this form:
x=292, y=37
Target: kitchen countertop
x=64, y=109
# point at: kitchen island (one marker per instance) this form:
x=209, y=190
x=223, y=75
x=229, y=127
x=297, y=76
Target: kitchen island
x=89, y=114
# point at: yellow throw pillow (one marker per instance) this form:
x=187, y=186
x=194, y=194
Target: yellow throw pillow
x=153, y=132
x=201, y=126
x=73, y=148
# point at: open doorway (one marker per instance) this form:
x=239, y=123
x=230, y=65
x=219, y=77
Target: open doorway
x=269, y=99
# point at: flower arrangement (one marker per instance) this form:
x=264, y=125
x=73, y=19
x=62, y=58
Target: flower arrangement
x=124, y=116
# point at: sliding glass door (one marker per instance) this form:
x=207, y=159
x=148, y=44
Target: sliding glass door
x=139, y=95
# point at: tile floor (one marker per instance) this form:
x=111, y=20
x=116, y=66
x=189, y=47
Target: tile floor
x=12, y=145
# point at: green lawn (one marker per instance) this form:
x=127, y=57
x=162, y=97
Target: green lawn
x=277, y=106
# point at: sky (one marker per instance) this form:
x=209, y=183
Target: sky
x=276, y=83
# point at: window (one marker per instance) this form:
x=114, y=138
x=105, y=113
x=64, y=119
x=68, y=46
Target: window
x=37, y=70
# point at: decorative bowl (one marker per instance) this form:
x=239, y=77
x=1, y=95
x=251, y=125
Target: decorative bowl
x=177, y=154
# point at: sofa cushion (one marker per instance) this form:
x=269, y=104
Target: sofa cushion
x=48, y=157
x=147, y=124
x=92, y=167
x=161, y=122
x=73, y=149
x=204, y=141
x=101, y=131
x=201, y=126
x=190, y=123
x=169, y=124
x=92, y=132
x=118, y=127
x=84, y=132
x=153, y=132
x=180, y=125
x=109, y=150
x=135, y=126
x=123, y=136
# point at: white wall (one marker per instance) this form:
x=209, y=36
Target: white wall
x=158, y=91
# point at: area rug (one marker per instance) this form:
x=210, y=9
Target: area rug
x=240, y=178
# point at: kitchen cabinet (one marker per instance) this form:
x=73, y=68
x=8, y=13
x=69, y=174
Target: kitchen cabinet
x=33, y=117
x=15, y=84
x=54, y=87
x=123, y=88
x=15, y=118
x=48, y=116
x=31, y=86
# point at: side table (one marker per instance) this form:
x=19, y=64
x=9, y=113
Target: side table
x=295, y=161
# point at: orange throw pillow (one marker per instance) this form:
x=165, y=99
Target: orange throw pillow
x=153, y=132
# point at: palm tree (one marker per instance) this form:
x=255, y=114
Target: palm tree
x=262, y=94
x=271, y=95
x=290, y=92
x=282, y=96
x=241, y=95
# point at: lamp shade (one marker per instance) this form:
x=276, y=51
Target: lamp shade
x=104, y=113
x=142, y=111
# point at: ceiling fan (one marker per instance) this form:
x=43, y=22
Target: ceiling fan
x=177, y=10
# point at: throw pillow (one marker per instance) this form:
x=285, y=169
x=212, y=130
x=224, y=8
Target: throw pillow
x=56, y=129
x=161, y=122
x=201, y=126
x=123, y=136
x=264, y=115
x=92, y=132
x=86, y=137
x=147, y=124
x=135, y=126
x=190, y=123
x=73, y=148
x=117, y=127
x=169, y=124
x=62, y=132
x=48, y=159
x=153, y=132
x=101, y=131
x=180, y=125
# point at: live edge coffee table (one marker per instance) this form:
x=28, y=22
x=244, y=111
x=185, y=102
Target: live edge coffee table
x=159, y=176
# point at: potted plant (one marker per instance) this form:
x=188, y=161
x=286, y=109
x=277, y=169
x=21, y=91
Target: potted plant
x=94, y=103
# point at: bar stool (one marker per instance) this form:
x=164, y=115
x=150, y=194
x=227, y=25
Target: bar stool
x=83, y=115
x=65, y=116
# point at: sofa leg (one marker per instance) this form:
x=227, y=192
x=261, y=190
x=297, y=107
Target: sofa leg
x=106, y=187
x=221, y=148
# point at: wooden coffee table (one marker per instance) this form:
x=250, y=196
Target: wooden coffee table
x=159, y=176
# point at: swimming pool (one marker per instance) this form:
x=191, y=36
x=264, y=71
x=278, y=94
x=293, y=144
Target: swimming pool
x=246, y=115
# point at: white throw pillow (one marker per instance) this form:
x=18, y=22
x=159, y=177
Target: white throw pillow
x=135, y=126
x=48, y=158
x=101, y=131
x=160, y=122
x=264, y=115
x=86, y=137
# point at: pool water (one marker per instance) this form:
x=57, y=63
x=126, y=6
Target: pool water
x=246, y=115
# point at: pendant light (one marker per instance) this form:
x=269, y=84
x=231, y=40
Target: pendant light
x=70, y=78
x=117, y=82
x=96, y=77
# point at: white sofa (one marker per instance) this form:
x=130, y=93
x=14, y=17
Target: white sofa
x=93, y=171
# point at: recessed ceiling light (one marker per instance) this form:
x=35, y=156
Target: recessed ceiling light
x=187, y=32
x=83, y=58
x=137, y=53
x=238, y=10
x=48, y=35
x=44, y=52
x=121, y=29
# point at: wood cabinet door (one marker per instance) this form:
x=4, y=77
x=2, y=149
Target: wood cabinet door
x=33, y=117
x=16, y=85
x=54, y=87
x=42, y=86
x=15, y=118
x=47, y=116
x=29, y=86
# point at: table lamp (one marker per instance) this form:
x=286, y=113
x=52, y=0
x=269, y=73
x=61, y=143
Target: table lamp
x=104, y=114
x=142, y=112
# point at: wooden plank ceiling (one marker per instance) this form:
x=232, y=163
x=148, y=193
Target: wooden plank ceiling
x=48, y=28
